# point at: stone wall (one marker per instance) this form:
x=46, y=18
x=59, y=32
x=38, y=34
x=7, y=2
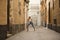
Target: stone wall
x=52, y=15
x=3, y=19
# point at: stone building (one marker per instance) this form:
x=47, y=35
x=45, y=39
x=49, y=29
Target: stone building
x=3, y=19
x=16, y=16
x=43, y=12
x=12, y=17
x=51, y=14
x=26, y=11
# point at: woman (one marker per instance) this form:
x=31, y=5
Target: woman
x=29, y=21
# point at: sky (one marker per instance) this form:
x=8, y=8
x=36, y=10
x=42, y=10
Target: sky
x=34, y=1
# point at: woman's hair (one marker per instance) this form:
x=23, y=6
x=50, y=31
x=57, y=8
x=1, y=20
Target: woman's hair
x=29, y=17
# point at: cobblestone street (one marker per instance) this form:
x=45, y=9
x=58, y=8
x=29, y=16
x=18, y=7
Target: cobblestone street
x=40, y=34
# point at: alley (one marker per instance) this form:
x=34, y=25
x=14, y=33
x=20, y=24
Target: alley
x=40, y=34
x=17, y=15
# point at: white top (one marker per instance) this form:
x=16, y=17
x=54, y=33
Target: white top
x=30, y=20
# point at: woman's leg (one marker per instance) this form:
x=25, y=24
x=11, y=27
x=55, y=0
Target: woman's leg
x=32, y=25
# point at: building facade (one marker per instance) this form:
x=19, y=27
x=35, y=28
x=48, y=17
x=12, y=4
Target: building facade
x=16, y=13
x=43, y=12
x=26, y=11
x=51, y=14
x=12, y=17
x=3, y=19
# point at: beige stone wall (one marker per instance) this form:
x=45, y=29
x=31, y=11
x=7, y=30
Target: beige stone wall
x=22, y=16
x=3, y=12
x=51, y=12
x=57, y=12
x=16, y=12
x=46, y=17
x=14, y=15
x=54, y=13
x=54, y=22
x=17, y=18
x=43, y=11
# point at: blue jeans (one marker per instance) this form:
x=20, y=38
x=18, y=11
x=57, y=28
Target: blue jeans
x=31, y=24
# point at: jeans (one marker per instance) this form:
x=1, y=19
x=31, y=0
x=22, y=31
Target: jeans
x=31, y=24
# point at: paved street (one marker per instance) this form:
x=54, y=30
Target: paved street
x=40, y=34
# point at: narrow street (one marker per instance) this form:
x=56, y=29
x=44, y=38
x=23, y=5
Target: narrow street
x=40, y=34
x=17, y=15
